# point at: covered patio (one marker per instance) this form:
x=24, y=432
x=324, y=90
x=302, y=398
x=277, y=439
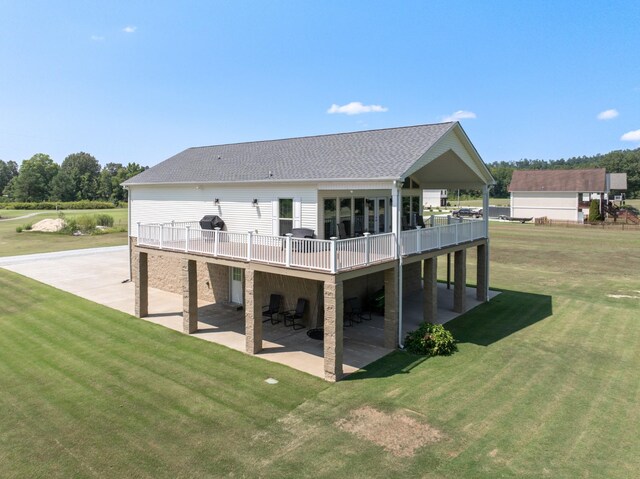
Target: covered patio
x=363, y=342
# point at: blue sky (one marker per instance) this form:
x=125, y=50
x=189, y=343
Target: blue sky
x=141, y=81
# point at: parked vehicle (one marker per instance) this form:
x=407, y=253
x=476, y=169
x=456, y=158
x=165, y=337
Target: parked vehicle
x=471, y=212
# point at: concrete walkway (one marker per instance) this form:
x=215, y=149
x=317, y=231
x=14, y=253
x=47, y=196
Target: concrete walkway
x=108, y=285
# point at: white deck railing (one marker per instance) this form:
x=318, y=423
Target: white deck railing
x=312, y=254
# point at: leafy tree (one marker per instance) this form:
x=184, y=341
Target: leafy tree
x=112, y=175
x=34, y=179
x=107, y=183
x=8, y=171
x=502, y=175
x=77, y=178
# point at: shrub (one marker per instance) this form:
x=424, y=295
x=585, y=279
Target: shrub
x=86, y=223
x=594, y=211
x=430, y=340
x=21, y=228
x=104, y=220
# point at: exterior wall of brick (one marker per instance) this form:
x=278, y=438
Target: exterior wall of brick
x=333, y=331
x=411, y=278
x=165, y=272
x=292, y=289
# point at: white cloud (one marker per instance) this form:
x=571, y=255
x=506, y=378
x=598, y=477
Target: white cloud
x=129, y=29
x=459, y=115
x=355, y=108
x=97, y=38
x=631, y=136
x=608, y=114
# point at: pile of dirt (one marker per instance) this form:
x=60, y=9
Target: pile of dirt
x=49, y=225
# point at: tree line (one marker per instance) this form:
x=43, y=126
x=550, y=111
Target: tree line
x=619, y=161
x=79, y=177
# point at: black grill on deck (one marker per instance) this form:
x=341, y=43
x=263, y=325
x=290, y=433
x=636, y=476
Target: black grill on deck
x=209, y=222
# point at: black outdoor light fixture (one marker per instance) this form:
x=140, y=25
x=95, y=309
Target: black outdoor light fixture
x=216, y=201
x=255, y=202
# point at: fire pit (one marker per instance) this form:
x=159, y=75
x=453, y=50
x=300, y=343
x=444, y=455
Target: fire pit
x=316, y=333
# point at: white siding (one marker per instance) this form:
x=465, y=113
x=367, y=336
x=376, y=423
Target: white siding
x=160, y=204
x=561, y=206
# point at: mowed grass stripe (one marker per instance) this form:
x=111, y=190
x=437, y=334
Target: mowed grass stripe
x=100, y=376
x=121, y=333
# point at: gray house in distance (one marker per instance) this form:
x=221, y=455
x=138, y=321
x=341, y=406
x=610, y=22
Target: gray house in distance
x=324, y=218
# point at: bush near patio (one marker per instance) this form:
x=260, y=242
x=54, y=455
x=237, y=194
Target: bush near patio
x=430, y=340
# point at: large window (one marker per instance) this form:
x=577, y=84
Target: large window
x=358, y=216
x=329, y=218
x=345, y=215
x=410, y=210
x=371, y=215
x=285, y=215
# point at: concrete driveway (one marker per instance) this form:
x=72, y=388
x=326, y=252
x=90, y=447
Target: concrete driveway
x=101, y=275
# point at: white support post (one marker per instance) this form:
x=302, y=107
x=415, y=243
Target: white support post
x=367, y=252
x=161, y=234
x=249, y=243
x=138, y=232
x=439, y=230
x=419, y=239
x=457, y=227
x=485, y=209
x=334, y=256
x=287, y=254
x=432, y=220
x=216, y=240
x=186, y=238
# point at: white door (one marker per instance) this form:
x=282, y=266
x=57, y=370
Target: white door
x=236, y=285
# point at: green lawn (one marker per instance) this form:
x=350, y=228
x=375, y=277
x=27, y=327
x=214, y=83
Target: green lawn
x=27, y=242
x=545, y=383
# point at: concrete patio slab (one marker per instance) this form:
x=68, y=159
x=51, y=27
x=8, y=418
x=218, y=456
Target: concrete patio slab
x=108, y=284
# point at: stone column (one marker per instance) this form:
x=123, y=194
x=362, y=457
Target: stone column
x=142, y=284
x=189, y=296
x=253, y=292
x=430, y=299
x=482, y=287
x=333, y=332
x=460, y=281
x=391, y=307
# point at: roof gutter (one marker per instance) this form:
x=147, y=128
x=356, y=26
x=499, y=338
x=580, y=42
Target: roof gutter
x=266, y=180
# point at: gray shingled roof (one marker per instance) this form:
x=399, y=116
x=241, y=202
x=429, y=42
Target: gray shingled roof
x=375, y=154
x=585, y=181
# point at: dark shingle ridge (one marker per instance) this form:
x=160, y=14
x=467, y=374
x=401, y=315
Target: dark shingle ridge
x=305, y=137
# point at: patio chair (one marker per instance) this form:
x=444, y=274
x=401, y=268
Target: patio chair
x=272, y=310
x=406, y=225
x=342, y=231
x=354, y=310
x=292, y=315
x=420, y=221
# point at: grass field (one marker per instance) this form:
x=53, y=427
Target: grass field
x=545, y=384
x=27, y=242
